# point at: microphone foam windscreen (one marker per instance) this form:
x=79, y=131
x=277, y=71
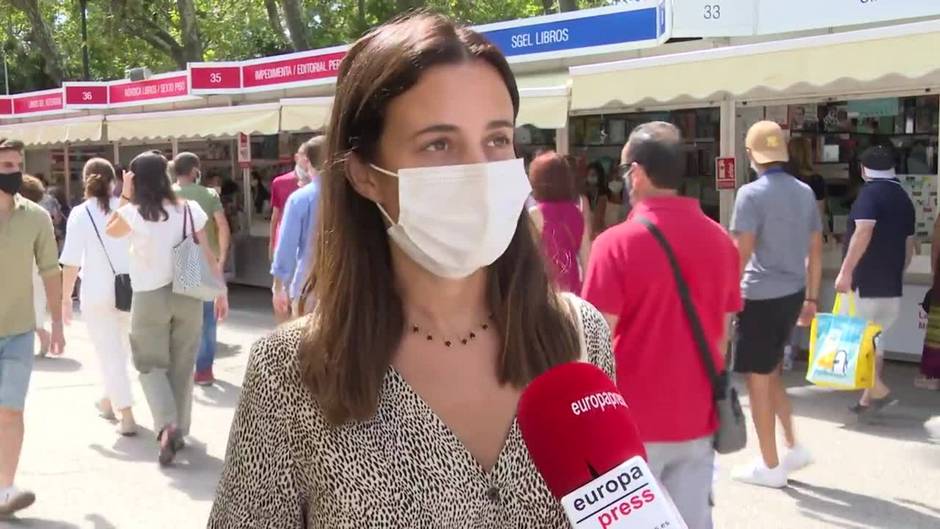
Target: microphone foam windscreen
x=576, y=426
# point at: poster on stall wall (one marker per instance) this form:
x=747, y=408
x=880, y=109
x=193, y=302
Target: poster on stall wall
x=244, y=150
x=803, y=117
x=923, y=192
x=777, y=114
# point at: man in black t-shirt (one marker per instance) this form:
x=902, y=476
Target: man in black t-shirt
x=879, y=247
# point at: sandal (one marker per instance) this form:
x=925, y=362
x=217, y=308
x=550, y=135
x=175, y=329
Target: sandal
x=168, y=444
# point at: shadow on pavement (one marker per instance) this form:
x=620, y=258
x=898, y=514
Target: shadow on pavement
x=195, y=472
x=221, y=394
x=100, y=522
x=224, y=350
x=51, y=364
x=141, y=447
x=843, y=508
x=904, y=421
x=37, y=523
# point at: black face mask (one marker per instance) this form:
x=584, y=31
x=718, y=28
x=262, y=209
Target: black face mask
x=10, y=183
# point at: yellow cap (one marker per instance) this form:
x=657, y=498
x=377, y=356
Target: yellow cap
x=766, y=143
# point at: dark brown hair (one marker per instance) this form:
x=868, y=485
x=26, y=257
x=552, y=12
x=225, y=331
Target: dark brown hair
x=359, y=320
x=184, y=163
x=657, y=147
x=552, y=178
x=314, y=149
x=151, y=185
x=7, y=144
x=32, y=188
x=98, y=175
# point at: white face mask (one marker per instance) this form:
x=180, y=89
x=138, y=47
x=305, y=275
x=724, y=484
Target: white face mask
x=616, y=186
x=454, y=220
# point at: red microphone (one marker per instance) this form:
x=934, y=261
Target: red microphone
x=584, y=442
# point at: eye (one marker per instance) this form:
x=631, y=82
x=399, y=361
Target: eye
x=500, y=141
x=437, y=146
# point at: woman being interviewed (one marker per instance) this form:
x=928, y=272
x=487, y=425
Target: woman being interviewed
x=394, y=403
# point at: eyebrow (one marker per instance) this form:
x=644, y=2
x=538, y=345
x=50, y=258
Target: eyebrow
x=444, y=127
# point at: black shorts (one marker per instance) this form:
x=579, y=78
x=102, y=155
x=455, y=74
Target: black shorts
x=762, y=330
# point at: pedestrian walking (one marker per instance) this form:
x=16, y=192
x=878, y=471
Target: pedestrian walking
x=166, y=327
x=100, y=259
x=293, y=254
x=879, y=246
x=282, y=188
x=433, y=310
x=558, y=217
x=778, y=230
x=630, y=280
x=186, y=169
x=26, y=237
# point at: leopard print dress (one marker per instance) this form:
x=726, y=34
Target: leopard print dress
x=288, y=468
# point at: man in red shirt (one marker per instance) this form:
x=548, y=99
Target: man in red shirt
x=281, y=189
x=629, y=279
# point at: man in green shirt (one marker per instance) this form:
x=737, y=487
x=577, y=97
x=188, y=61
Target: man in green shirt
x=26, y=239
x=187, y=172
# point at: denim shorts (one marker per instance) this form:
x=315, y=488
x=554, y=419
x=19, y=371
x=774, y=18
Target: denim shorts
x=16, y=366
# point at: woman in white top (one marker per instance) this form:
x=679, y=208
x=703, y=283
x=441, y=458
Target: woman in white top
x=165, y=326
x=100, y=258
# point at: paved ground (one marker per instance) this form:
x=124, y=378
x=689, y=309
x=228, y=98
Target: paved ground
x=882, y=475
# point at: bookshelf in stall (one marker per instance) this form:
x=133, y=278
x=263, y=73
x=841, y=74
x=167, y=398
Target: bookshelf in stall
x=77, y=156
x=841, y=131
x=601, y=138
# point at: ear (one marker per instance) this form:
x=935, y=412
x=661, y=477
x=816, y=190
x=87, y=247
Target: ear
x=363, y=178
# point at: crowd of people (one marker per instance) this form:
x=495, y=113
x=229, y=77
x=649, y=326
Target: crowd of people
x=423, y=276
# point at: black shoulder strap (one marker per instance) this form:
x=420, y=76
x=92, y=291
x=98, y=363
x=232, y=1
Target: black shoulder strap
x=697, y=332
x=103, y=247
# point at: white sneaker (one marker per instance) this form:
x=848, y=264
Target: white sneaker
x=797, y=458
x=13, y=499
x=758, y=474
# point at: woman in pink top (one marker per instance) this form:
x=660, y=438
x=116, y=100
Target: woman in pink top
x=558, y=215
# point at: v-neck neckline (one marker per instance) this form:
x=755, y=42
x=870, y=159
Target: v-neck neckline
x=511, y=434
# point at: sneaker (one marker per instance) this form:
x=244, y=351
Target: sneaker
x=204, y=378
x=797, y=458
x=758, y=474
x=13, y=499
x=928, y=383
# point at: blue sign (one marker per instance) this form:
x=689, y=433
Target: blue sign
x=607, y=28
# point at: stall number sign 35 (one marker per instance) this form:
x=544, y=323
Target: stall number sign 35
x=215, y=78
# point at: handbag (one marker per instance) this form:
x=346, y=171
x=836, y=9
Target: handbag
x=731, y=435
x=192, y=275
x=842, y=349
x=123, y=293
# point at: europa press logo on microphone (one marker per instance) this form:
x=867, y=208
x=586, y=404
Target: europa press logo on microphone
x=626, y=497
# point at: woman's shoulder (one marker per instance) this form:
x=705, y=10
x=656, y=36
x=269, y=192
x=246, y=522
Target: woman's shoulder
x=596, y=334
x=277, y=353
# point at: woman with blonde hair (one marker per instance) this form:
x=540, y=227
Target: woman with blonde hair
x=100, y=259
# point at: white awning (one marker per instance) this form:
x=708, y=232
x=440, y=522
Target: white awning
x=883, y=59
x=196, y=123
x=305, y=113
x=543, y=100
x=69, y=130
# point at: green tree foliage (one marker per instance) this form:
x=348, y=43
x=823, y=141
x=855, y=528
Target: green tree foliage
x=42, y=42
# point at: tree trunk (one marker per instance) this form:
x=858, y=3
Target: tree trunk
x=42, y=35
x=548, y=7
x=361, y=16
x=189, y=31
x=567, y=5
x=407, y=5
x=296, y=24
x=274, y=19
